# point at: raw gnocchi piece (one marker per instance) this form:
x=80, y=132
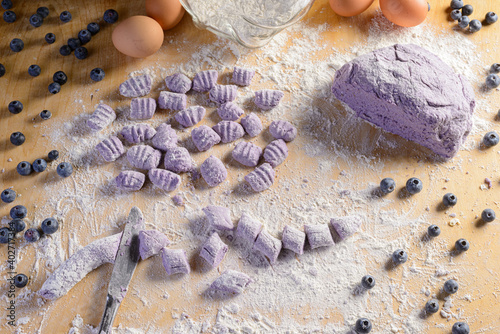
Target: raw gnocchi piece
x=261, y=178
x=247, y=154
x=143, y=157
x=319, y=235
x=172, y=101
x=268, y=246
x=346, y=226
x=252, y=124
x=276, y=152
x=248, y=228
x=130, y=180
x=136, y=86
x=231, y=281
x=102, y=116
x=228, y=131
x=293, y=239
x=213, y=171
x=242, y=76
x=175, y=261
x=223, y=93
x=110, y=148
x=283, y=130
x=178, y=160
x=178, y=83
x=213, y=250
x=151, y=242
x=190, y=116
x=204, y=137
x=165, y=137
x=164, y=179
x=229, y=111
x=142, y=108
x=137, y=133
x=267, y=99
x=205, y=80
x=218, y=217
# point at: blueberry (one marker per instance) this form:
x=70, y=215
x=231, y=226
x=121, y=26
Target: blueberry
x=432, y=306
x=399, y=256
x=363, y=326
x=81, y=52
x=17, y=138
x=449, y=199
x=475, y=25
x=428, y=7
x=491, y=139
x=45, y=114
x=450, y=286
x=97, y=74
x=463, y=22
x=6, y=4
x=50, y=225
x=50, y=38
x=6, y=234
x=18, y=211
x=16, y=45
x=34, y=70
x=414, y=185
x=43, y=11
x=32, y=235
x=24, y=168
x=368, y=282
x=433, y=231
x=53, y=155
x=20, y=280
x=65, y=16
x=36, y=20
x=455, y=14
x=64, y=169
x=9, y=16
x=39, y=165
x=495, y=68
x=84, y=36
x=65, y=50
x=488, y=215
x=456, y=4
x=54, y=88
x=60, y=77
x=2, y=70
x=492, y=81
x=93, y=28
x=462, y=245
x=8, y=196
x=17, y=225
x=110, y=16
x=387, y=185
x=460, y=328
x=467, y=10
x=74, y=43
x=491, y=17
x=15, y=107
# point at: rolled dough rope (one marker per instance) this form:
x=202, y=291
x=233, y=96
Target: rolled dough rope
x=74, y=269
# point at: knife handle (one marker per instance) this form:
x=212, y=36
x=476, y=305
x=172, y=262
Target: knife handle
x=109, y=315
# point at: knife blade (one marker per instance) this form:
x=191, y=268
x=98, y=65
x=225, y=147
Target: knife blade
x=126, y=260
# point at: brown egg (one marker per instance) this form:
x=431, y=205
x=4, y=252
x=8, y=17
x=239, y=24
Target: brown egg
x=405, y=13
x=138, y=36
x=350, y=7
x=166, y=12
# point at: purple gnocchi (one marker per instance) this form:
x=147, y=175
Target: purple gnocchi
x=165, y=137
x=319, y=235
x=172, y=101
x=103, y=116
x=175, y=261
x=248, y=228
x=164, y=179
x=130, y=180
x=276, y=152
x=252, y=124
x=228, y=131
x=293, y=239
x=204, y=137
x=223, y=93
x=229, y=111
x=218, y=217
x=267, y=99
x=231, y=281
x=346, y=226
x=283, y=130
x=205, y=80
x=190, y=116
x=213, y=171
x=143, y=157
x=268, y=245
x=213, y=250
x=242, y=76
x=261, y=178
x=110, y=148
x=137, y=133
x=178, y=160
x=142, y=108
x=151, y=243
x=178, y=83
x=247, y=154
x=136, y=86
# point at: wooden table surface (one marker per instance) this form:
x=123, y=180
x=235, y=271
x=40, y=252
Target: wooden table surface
x=18, y=85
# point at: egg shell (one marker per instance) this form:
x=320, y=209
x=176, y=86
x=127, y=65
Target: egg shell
x=138, y=36
x=350, y=8
x=405, y=13
x=167, y=13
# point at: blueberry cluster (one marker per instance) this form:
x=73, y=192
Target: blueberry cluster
x=461, y=13
x=413, y=185
x=36, y=20
x=493, y=79
x=64, y=169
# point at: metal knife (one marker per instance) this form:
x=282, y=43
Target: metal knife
x=126, y=260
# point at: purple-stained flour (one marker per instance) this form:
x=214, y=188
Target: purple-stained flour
x=172, y=101
x=142, y=108
x=151, y=243
x=283, y=130
x=164, y=179
x=205, y=80
x=267, y=99
x=165, y=137
x=218, y=217
x=178, y=83
x=102, y=116
x=231, y=281
x=261, y=178
x=213, y=250
x=228, y=131
x=276, y=152
x=143, y=157
x=190, y=116
x=223, y=93
x=268, y=246
x=136, y=86
x=346, y=226
x=319, y=235
x=252, y=124
x=248, y=228
x=293, y=239
x=137, y=133
x=130, y=180
x=175, y=261
x=178, y=160
x=242, y=76
x=110, y=148
x=204, y=137
x=229, y=111
x=247, y=154
x=213, y=171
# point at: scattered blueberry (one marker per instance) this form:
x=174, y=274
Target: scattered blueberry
x=462, y=245
x=475, y=25
x=54, y=88
x=16, y=45
x=467, y=10
x=36, y=20
x=491, y=17
x=39, y=165
x=450, y=286
x=495, y=68
x=414, y=185
x=93, y=28
x=15, y=107
x=65, y=16
x=488, y=215
x=53, y=155
x=460, y=328
x=455, y=14
x=399, y=256
x=456, y=4
x=492, y=81
x=8, y=196
x=432, y=306
x=50, y=225
x=34, y=70
x=45, y=114
x=449, y=199
x=17, y=225
x=81, y=52
x=2, y=70
x=97, y=74
x=363, y=326
x=5, y=235
x=84, y=36
x=43, y=11
x=9, y=16
x=74, y=43
x=433, y=231
x=17, y=138
x=20, y=280
x=60, y=77
x=463, y=22
x=64, y=169
x=110, y=16
x=368, y=282
x=491, y=139
x=387, y=185
x=24, y=168
x=50, y=38
x=65, y=50
x=18, y=211
x=6, y=4
x=32, y=235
